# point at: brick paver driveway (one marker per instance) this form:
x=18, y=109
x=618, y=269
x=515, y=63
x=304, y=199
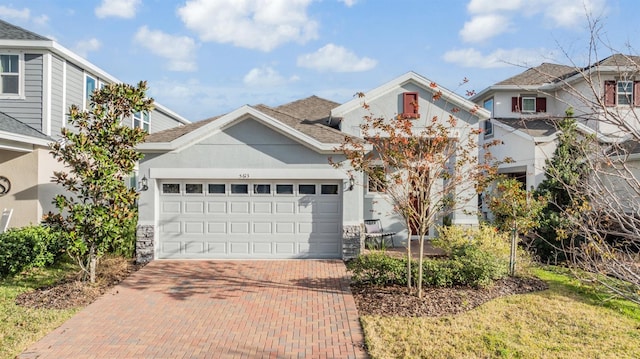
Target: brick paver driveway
x=217, y=309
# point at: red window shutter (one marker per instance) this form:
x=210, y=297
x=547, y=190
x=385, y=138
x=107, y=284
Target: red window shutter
x=636, y=93
x=410, y=105
x=516, y=104
x=609, y=93
x=541, y=104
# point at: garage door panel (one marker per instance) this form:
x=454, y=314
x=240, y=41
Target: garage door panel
x=217, y=227
x=230, y=225
x=262, y=227
x=217, y=207
x=240, y=207
x=239, y=228
x=262, y=207
x=194, y=227
x=194, y=207
x=171, y=207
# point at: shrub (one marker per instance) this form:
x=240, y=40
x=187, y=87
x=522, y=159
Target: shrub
x=485, y=237
x=26, y=247
x=478, y=267
x=379, y=269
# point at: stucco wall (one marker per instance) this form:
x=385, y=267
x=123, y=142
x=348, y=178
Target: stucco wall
x=20, y=168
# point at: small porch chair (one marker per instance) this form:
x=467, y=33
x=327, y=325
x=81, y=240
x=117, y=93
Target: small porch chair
x=375, y=234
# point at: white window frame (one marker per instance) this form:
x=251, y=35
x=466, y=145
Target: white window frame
x=627, y=94
x=488, y=125
x=528, y=98
x=20, y=94
x=86, y=95
x=143, y=118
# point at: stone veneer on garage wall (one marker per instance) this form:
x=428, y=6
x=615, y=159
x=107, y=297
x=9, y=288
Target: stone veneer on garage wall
x=352, y=242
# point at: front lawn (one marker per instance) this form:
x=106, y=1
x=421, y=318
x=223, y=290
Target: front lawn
x=565, y=321
x=21, y=326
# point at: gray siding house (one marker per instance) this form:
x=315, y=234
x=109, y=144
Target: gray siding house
x=39, y=81
x=257, y=182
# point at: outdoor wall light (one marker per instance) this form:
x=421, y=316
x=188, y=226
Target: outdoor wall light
x=144, y=183
x=352, y=182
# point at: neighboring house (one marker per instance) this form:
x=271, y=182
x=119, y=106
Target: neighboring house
x=39, y=81
x=257, y=182
x=525, y=108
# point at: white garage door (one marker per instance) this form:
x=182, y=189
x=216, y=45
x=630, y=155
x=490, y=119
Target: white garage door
x=249, y=219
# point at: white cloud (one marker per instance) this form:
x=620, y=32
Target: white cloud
x=83, y=47
x=335, y=59
x=179, y=50
x=117, y=8
x=349, y=3
x=266, y=76
x=491, y=18
x=484, y=27
x=11, y=13
x=471, y=57
x=253, y=24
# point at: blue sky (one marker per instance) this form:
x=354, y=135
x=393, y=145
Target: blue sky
x=207, y=57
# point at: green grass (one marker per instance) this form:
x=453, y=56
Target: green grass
x=19, y=326
x=568, y=320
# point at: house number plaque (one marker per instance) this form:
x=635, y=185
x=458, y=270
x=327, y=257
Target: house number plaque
x=5, y=185
x=244, y=175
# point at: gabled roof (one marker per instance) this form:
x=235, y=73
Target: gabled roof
x=539, y=75
x=12, y=32
x=534, y=127
x=419, y=80
x=298, y=120
x=619, y=60
x=11, y=125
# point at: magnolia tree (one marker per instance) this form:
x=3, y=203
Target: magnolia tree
x=428, y=167
x=98, y=152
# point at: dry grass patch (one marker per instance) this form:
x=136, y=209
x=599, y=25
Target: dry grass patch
x=562, y=322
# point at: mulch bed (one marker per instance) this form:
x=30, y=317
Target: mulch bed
x=394, y=300
x=73, y=292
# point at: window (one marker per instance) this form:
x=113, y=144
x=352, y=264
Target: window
x=10, y=73
x=329, y=189
x=141, y=120
x=377, y=180
x=488, y=126
x=307, y=189
x=239, y=188
x=216, y=188
x=90, y=84
x=262, y=188
x=284, y=189
x=410, y=105
x=193, y=188
x=625, y=92
x=529, y=104
x=170, y=188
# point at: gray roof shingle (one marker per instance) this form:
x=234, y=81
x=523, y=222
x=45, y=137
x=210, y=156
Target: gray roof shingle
x=535, y=127
x=11, y=125
x=539, y=75
x=12, y=32
x=306, y=115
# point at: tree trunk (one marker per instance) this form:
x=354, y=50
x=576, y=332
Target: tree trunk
x=512, y=254
x=409, y=258
x=92, y=264
x=420, y=260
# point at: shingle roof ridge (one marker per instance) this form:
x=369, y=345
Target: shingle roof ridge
x=7, y=29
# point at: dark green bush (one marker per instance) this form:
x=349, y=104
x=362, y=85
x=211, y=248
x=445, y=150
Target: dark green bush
x=26, y=247
x=467, y=265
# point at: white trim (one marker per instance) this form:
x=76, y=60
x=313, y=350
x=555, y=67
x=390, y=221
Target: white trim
x=85, y=95
x=423, y=82
x=15, y=146
x=21, y=74
x=230, y=119
x=250, y=174
x=10, y=136
x=64, y=94
x=46, y=93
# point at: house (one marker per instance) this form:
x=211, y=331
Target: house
x=257, y=182
x=524, y=110
x=40, y=81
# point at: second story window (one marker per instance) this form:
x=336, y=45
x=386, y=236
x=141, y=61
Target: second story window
x=625, y=92
x=528, y=104
x=622, y=92
x=488, y=126
x=90, y=84
x=141, y=120
x=10, y=73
